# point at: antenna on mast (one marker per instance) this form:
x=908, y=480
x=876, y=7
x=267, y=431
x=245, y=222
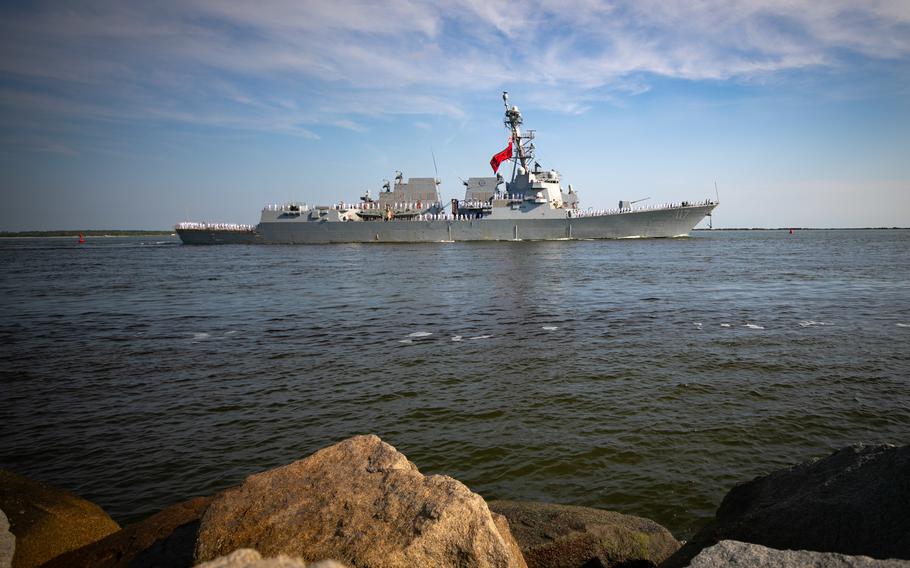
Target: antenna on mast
x=435, y=169
x=710, y=214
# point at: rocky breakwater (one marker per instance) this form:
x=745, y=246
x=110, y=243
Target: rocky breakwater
x=362, y=503
x=853, y=502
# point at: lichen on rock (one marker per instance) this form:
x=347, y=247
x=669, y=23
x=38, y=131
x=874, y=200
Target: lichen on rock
x=566, y=536
x=733, y=553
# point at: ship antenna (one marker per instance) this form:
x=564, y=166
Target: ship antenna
x=435, y=169
x=711, y=213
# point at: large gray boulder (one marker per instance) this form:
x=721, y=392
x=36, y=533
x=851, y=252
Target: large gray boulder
x=48, y=521
x=360, y=502
x=565, y=536
x=7, y=542
x=249, y=558
x=855, y=501
x=734, y=553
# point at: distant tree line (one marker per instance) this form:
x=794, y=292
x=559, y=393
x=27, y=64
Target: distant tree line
x=87, y=233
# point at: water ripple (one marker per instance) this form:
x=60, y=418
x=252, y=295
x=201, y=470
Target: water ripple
x=646, y=376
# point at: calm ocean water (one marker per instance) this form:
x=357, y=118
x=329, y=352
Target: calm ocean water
x=644, y=376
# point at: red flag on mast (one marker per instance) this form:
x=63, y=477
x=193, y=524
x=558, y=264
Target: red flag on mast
x=501, y=157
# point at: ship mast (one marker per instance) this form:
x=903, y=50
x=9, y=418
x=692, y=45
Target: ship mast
x=523, y=154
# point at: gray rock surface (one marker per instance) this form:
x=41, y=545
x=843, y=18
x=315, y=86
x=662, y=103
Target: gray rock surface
x=167, y=538
x=360, y=502
x=855, y=501
x=249, y=558
x=733, y=553
x=565, y=536
x=7, y=542
x=48, y=521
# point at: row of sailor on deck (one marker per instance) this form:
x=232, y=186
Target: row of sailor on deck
x=190, y=226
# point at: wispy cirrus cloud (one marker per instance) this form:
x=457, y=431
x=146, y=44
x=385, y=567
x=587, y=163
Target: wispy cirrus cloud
x=293, y=67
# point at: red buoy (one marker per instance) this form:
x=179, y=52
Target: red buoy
x=791, y=231
x=82, y=238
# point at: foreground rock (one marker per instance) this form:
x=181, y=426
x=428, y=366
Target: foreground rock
x=733, y=553
x=48, y=521
x=7, y=542
x=360, y=502
x=167, y=538
x=564, y=536
x=249, y=558
x=856, y=502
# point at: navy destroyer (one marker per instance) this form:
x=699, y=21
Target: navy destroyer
x=532, y=205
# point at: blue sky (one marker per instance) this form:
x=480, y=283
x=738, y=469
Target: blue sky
x=142, y=114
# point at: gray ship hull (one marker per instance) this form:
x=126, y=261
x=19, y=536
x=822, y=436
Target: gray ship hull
x=216, y=237
x=656, y=223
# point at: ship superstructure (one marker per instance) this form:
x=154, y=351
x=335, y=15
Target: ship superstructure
x=532, y=205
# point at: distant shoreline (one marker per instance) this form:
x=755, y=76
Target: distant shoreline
x=87, y=233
